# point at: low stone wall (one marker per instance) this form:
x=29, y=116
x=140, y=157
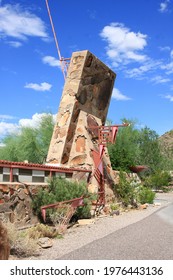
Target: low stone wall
x=16, y=203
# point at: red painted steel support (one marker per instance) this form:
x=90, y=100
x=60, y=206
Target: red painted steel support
x=106, y=134
x=74, y=203
x=11, y=174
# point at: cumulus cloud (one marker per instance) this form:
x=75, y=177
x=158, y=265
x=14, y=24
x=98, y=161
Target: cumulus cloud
x=124, y=46
x=9, y=127
x=39, y=87
x=116, y=94
x=164, y=6
x=20, y=24
x=52, y=61
x=6, y=128
x=34, y=121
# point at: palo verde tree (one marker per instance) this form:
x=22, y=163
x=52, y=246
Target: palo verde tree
x=30, y=143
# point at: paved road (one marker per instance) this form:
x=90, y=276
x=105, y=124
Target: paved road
x=149, y=239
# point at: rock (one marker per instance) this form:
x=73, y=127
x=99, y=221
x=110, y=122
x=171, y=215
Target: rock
x=78, y=160
x=84, y=222
x=45, y=242
x=80, y=144
x=143, y=206
x=21, y=194
x=5, y=207
x=115, y=212
x=106, y=209
x=92, y=188
x=4, y=243
x=156, y=204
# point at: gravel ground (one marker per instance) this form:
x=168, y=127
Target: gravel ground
x=77, y=237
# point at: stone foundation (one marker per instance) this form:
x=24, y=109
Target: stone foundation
x=16, y=203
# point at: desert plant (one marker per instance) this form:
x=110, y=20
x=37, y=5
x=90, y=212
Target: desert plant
x=145, y=195
x=125, y=190
x=21, y=244
x=60, y=189
x=40, y=231
x=158, y=180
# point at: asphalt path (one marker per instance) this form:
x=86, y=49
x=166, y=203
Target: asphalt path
x=148, y=239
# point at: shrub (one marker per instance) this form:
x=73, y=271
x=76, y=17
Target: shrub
x=158, y=180
x=40, y=231
x=60, y=189
x=125, y=190
x=145, y=195
x=21, y=244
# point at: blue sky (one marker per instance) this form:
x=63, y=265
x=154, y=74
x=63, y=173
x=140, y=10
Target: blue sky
x=133, y=37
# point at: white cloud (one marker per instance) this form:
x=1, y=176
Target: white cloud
x=168, y=67
x=34, y=121
x=171, y=54
x=160, y=80
x=52, y=61
x=149, y=66
x=2, y=145
x=8, y=128
x=21, y=24
x=6, y=117
x=39, y=87
x=116, y=94
x=170, y=97
x=166, y=48
x=14, y=44
x=124, y=46
x=164, y=6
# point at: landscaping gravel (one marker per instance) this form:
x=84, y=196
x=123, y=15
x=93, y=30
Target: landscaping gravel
x=78, y=236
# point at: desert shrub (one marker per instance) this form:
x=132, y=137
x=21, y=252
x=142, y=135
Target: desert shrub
x=125, y=190
x=158, y=180
x=21, y=244
x=60, y=189
x=145, y=195
x=42, y=230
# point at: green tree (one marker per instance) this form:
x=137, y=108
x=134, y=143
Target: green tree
x=150, y=152
x=125, y=151
x=30, y=143
x=137, y=147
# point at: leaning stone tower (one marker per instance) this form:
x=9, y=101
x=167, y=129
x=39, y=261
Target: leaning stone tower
x=83, y=107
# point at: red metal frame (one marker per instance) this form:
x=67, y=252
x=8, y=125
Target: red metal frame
x=74, y=203
x=106, y=134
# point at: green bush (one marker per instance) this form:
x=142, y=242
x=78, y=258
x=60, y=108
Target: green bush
x=158, y=180
x=145, y=195
x=125, y=190
x=131, y=193
x=60, y=189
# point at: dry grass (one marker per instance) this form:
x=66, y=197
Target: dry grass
x=21, y=244
x=42, y=230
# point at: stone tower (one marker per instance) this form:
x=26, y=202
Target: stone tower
x=83, y=107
